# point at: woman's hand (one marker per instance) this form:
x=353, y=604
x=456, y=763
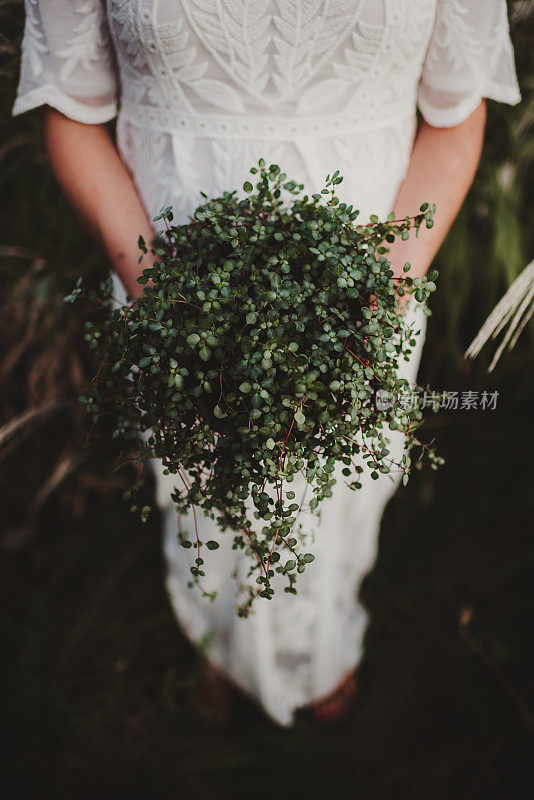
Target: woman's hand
x=94, y=179
x=134, y=289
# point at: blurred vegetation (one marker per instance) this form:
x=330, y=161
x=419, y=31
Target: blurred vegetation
x=492, y=238
x=99, y=680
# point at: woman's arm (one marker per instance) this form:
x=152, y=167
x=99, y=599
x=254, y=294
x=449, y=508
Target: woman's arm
x=94, y=179
x=442, y=167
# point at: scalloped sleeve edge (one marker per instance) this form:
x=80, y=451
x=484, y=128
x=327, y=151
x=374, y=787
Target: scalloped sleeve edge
x=447, y=117
x=74, y=109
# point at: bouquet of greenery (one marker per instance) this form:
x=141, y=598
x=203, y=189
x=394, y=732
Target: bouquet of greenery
x=256, y=352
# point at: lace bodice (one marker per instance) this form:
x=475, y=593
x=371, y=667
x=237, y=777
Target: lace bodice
x=275, y=68
x=201, y=85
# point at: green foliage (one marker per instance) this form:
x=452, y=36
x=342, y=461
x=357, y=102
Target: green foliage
x=255, y=353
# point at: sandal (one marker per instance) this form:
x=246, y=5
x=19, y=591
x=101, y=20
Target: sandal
x=335, y=706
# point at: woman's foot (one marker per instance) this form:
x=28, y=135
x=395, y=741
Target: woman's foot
x=335, y=705
x=214, y=696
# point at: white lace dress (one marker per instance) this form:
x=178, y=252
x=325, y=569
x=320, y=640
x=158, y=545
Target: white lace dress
x=201, y=90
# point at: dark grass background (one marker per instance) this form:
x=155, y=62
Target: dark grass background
x=98, y=685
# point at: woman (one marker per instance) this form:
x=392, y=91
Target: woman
x=202, y=89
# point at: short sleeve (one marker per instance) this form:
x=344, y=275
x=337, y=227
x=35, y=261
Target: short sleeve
x=469, y=57
x=67, y=60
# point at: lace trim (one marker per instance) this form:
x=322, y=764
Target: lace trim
x=447, y=117
x=221, y=126
x=52, y=96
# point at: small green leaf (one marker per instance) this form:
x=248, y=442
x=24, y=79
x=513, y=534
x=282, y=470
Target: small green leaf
x=300, y=419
